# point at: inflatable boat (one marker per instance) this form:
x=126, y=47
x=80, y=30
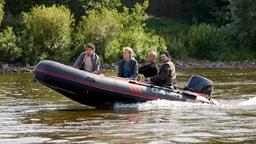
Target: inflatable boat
x=103, y=91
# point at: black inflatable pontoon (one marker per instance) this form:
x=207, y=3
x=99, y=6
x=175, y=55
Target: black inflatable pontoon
x=100, y=91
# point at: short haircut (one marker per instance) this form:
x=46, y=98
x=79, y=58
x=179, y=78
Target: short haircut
x=166, y=53
x=89, y=45
x=128, y=49
x=154, y=53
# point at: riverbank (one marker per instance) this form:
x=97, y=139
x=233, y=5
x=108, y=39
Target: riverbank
x=192, y=64
x=195, y=64
x=10, y=68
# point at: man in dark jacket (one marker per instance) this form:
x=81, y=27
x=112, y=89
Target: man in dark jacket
x=151, y=68
x=128, y=66
x=88, y=60
x=167, y=75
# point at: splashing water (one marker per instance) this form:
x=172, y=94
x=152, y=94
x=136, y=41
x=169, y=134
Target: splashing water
x=250, y=102
x=166, y=104
x=158, y=104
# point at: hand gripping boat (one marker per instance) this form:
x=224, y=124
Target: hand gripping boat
x=101, y=91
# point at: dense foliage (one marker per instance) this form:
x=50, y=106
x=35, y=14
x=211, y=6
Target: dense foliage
x=99, y=27
x=244, y=23
x=207, y=42
x=57, y=29
x=9, y=51
x=174, y=33
x=112, y=30
x=134, y=34
x=47, y=33
x=1, y=10
x=79, y=8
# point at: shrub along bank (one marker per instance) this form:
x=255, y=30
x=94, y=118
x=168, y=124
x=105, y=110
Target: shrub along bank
x=56, y=30
x=51, y=33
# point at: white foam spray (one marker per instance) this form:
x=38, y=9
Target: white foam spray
x=250, y=102
x=158, y=104
x=167, y=104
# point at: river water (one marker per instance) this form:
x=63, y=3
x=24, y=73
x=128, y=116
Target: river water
x=32, y=113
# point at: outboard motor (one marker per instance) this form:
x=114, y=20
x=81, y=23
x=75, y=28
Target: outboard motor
x=200, y=84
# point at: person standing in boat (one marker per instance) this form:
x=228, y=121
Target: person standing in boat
x=88, y=60
x=151, y=68
x=128, y=66
x=167, y=75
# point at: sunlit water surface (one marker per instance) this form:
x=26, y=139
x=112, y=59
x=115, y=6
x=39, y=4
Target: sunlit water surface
x=32, y=113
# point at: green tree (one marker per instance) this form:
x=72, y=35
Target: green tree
x=99, y=27
x=244, y=23
x=79, y=8
x=135, y=35
x=1, y=10
x=111, y=30
x=139, y=40
x=47, y=33
x=9, y=51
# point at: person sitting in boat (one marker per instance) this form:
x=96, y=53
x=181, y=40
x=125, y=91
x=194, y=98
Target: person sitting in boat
x=128, y=66
x=88, y=60
x=167, y=75
x=151, y=68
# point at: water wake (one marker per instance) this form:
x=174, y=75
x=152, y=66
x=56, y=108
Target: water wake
x=158, y=104
x=166, y=104
x=250, y=102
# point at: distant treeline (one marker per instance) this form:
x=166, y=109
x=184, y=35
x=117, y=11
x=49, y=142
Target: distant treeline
x=219, y=30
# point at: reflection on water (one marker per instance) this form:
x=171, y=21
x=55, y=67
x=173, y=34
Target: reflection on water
x=32, y=113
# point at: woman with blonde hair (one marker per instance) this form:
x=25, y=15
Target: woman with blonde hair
x=128, y=66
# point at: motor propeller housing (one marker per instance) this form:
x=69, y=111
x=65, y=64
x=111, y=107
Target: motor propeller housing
x=200, y=84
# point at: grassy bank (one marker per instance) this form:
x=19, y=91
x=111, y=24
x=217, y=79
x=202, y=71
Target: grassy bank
x=199, y=41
